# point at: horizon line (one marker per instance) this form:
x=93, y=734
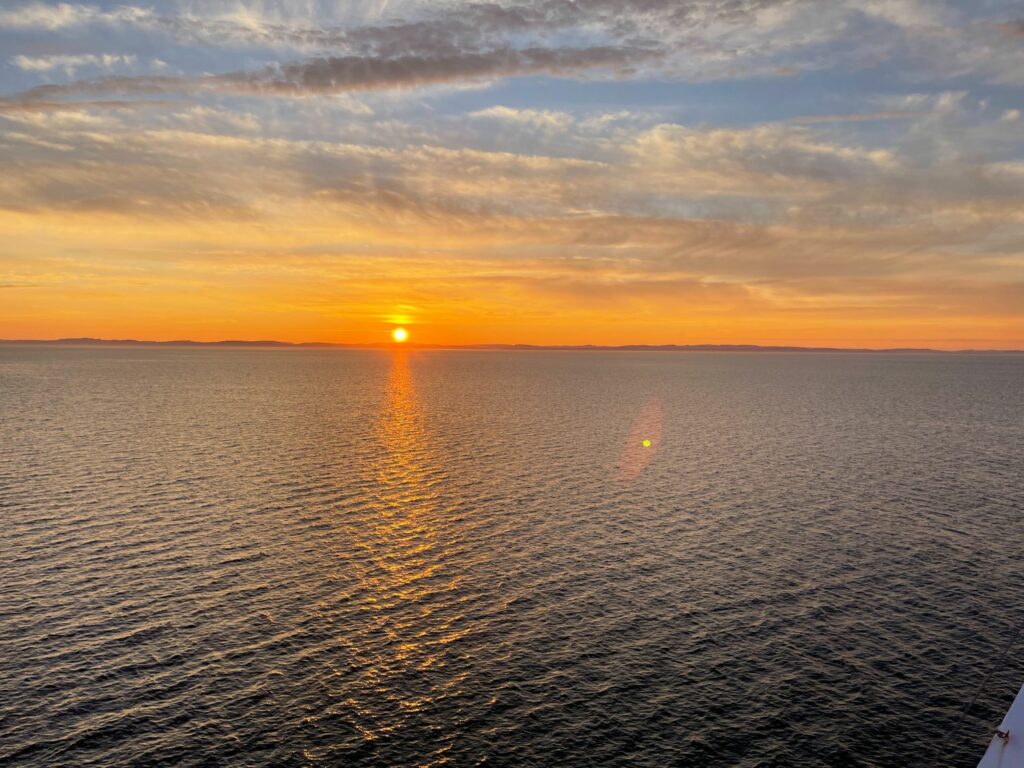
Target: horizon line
x=86, y=341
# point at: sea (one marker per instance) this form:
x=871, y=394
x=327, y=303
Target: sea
x=335, y=557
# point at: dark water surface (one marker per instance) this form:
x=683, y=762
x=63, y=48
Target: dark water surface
x=283, y=557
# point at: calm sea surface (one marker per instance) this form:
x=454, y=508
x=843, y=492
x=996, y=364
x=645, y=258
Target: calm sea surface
x=340, y=558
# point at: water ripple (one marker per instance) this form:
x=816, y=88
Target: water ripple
x=257, y=557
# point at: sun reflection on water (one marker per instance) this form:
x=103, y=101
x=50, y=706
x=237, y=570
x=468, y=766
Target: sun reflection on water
x=401, y=566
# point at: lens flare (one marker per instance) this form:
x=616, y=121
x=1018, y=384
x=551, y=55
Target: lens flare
x=643, y=442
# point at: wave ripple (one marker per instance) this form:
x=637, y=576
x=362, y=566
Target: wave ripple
x=323, y=557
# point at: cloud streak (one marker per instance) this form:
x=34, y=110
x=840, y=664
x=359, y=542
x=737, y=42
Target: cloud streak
x=346, y=74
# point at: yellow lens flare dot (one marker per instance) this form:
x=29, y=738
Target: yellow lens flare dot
x=399, y=335
x=646, y=443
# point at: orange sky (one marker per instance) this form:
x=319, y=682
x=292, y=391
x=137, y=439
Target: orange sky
x=121, y=276
x=746, y=192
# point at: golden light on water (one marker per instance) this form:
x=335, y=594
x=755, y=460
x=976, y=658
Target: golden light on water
x=400, y=564
x=399, y=335
x=646, y=443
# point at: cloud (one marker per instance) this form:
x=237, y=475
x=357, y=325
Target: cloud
x=462, y=43
x=42, y=16
x=1013, y=28
x=66, y=15
x=332, y=24
x=770, y=175
x=71, y=64
x=353, y=73
x=857, y=117
x=764, y=161
x=697, y=40
x=545, y=119
x=346, y=74
x=15, y=106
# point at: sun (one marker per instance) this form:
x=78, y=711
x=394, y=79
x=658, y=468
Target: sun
x=399, y=335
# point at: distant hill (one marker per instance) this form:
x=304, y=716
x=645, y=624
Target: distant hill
x=240, y=343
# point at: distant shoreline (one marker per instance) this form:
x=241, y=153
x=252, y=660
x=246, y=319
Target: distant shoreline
x=267, y=344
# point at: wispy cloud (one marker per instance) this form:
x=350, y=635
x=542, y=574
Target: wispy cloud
x=345, y=74
x=57, y=16
x=857, y=117
x=71, y=64
x=1013, y=28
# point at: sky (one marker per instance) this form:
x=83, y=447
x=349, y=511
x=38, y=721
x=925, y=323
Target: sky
x=845, y=173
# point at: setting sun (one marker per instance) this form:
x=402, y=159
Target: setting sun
x=399, y=335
